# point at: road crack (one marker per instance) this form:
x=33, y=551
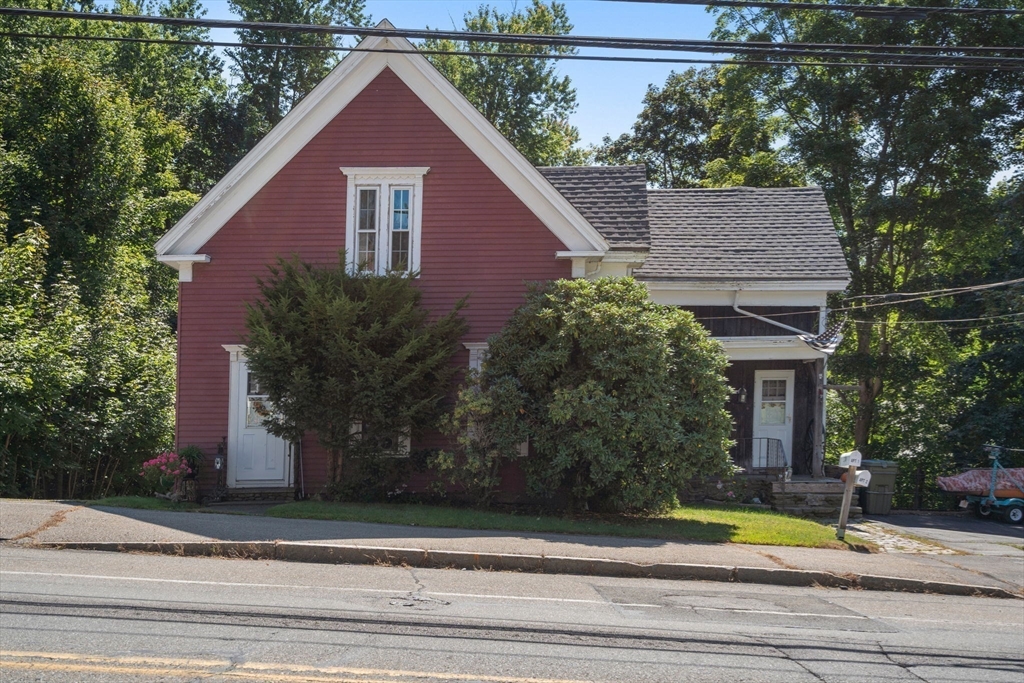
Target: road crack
x=416, y=597
x=905, y=667
x=788, y=657
x=978, y=572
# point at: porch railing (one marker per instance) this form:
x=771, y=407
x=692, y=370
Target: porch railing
x=760, y=454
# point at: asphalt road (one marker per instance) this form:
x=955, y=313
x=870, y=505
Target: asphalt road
x=79, y=616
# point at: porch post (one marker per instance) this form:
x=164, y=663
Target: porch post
x=818, y=455
x=820, y=371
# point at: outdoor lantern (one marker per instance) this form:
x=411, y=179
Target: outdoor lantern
x=743, y=395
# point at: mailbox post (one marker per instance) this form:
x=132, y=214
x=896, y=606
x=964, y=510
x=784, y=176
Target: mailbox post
x=854, y=478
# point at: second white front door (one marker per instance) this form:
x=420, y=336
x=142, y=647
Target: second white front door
x=773, y=415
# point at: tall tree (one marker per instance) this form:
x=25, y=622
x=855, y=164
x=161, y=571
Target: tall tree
x=992, y=380
x=524, y=97
x=272, y=81
x=905, y=157
x=91, y=165
x=692, y=132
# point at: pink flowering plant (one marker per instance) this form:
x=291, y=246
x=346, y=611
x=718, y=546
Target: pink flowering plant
x=164, y=473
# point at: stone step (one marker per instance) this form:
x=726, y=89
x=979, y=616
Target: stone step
x=819, y=486
x=818, y=513
x=282, y=494
x=809, y=500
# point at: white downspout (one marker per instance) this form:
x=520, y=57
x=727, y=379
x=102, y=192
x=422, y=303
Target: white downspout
x=736, y=307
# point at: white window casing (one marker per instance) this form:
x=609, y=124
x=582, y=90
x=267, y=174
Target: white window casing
x=404, y=442
x=383, y=218
x=477, y=356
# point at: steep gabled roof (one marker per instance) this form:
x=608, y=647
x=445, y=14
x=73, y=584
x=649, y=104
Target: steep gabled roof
x=612, y=198
x=742, y=233
x=329, y=98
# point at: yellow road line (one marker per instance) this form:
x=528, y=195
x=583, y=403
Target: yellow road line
x=285, y=673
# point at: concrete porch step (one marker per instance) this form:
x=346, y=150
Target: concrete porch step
x=818, y=513
x=268, y=494
x=833, y=486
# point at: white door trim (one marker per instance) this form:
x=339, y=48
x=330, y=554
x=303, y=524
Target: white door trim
x=238, y=363
x=790, y=377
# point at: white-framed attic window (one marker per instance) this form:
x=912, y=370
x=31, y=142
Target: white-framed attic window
x=384, y=211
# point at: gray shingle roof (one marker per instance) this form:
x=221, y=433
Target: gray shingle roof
x=742, y=233
x=612, y=198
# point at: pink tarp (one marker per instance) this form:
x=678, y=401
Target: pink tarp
x=977, y=481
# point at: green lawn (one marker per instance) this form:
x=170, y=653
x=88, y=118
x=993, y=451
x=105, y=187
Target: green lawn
x=142, y=503
x=689, y=523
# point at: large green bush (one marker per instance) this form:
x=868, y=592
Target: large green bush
x=622, y=400
x=333, y=349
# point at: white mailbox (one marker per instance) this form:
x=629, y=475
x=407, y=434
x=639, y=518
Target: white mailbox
x=863, y=478
x=851, y=459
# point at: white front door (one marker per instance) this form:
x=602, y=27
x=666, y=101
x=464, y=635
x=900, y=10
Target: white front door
x=255, y=457
x=773, y=415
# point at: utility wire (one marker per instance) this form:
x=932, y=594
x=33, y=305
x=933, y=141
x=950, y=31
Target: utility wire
x=1018, y=64
x=983, y=327
x=954, y=290
x=951, y=320
x=871, y=322
x=866, y=11
x=920, y=296
x=761, y=50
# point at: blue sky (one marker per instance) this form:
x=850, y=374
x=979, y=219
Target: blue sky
x=609, y=93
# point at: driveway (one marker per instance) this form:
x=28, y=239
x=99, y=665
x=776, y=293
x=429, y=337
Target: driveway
x=960, y=532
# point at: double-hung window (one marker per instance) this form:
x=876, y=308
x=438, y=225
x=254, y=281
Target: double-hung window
x=385, y=206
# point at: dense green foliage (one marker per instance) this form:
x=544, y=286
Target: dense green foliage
x=690, y=134
x=622, y=400
x=524, y=98
x=89, y=139
x=85, y=392
x=332, y=349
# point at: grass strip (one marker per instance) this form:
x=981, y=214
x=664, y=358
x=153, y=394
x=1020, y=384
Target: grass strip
x=712, y=524
x=141, y=503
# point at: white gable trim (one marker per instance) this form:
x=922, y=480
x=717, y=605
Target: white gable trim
x=329, y=98
x=183, y=263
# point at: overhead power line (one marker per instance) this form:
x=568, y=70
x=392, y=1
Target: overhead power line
x=926, y=56
x=866, y=11
x=503, y=55
x=942, y=321
x=939, y=292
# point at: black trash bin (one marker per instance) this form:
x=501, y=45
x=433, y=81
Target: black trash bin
x=876, y=498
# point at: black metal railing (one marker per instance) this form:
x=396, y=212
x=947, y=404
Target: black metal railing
x=759, y=454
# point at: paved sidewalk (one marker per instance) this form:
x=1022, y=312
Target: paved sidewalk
x=962, y=532
x=29, y=522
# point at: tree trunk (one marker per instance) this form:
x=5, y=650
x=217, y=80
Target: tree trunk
x=870, y=382
x=334, y=466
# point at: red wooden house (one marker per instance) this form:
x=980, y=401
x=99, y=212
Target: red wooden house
x=386, y=159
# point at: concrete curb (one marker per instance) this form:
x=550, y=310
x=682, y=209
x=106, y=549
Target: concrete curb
x=453, y=559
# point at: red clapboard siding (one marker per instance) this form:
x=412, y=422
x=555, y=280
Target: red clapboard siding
x=478, y=239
